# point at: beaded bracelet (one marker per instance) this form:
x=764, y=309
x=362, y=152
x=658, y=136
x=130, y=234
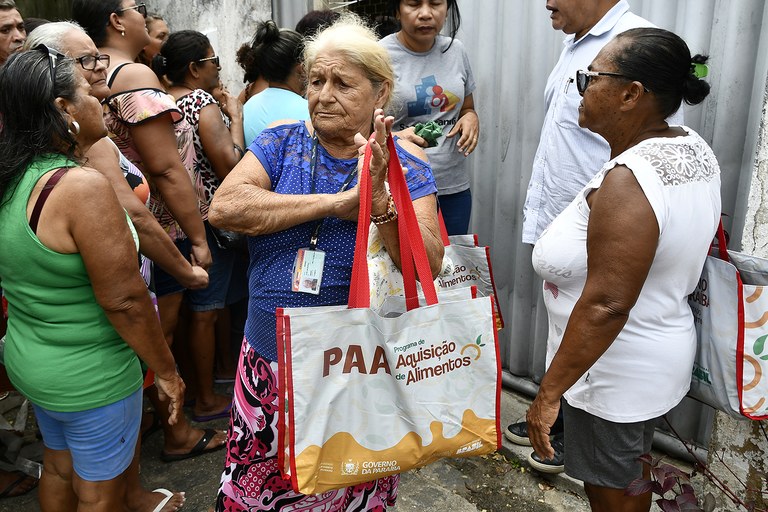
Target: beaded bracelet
x=388, y=216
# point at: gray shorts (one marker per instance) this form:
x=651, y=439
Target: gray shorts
x=604, y=453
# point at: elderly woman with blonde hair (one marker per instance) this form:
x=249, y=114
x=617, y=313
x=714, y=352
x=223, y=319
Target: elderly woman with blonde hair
x=299, y=179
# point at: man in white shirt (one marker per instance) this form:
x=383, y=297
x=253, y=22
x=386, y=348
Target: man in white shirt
x=568, y=156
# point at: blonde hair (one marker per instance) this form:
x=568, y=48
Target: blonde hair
x=357, y=42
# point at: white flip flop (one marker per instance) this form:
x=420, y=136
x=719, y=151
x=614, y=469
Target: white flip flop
x=168, y=495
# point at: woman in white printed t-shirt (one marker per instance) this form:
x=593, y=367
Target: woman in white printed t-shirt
x=434, y=82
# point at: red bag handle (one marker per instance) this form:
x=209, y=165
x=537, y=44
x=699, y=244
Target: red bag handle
x=722, y=245
x=413, y=255
x=359, y=292
x=404, y=206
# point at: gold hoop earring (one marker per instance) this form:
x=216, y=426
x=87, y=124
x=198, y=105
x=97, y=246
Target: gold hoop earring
x=74, y=129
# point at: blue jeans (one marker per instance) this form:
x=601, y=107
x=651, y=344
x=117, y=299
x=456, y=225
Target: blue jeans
x=456, y=209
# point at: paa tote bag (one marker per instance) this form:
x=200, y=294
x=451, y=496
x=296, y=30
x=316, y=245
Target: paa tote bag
x=730, y=309
x=370, y=392
x=465, y=265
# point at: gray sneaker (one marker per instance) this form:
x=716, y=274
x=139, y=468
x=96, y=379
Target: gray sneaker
x=555, y=464
x=518, y=432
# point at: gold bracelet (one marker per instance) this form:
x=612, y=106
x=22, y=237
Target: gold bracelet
x=388, y=216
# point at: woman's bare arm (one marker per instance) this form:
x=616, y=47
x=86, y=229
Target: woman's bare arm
x=155, y=141
x=622, y=236
x=154, y=241
x=245, y=203
x=219, y=142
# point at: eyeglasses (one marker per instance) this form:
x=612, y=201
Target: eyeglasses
x=88, y=62
x=142, y=8
x=53, y=59
x=215, y=60
x=584, y=77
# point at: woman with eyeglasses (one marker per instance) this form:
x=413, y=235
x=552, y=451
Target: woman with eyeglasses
x=618, y=264
x=187, y=61
x=150, y=130
x=78, y=315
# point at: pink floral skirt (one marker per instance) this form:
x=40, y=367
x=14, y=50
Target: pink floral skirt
x=251, y=480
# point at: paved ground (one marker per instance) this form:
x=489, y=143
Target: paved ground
x=501, y=482
x=497, y=483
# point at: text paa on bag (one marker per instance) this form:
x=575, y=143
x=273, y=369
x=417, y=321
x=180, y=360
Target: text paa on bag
x=410, y=360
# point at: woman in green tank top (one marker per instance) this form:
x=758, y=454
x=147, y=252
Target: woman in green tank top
x=78, y=309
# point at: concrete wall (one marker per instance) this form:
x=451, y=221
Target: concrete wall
x=59, y=10
x=738, y=451
x=755, y=237
x=738, y=457
x=227, y=23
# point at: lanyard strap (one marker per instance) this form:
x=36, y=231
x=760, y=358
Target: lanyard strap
x=312, y=166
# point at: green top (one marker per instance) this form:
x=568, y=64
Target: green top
x=61, y=351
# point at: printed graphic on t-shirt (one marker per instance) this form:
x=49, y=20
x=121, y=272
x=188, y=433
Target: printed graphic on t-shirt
x=430, y=97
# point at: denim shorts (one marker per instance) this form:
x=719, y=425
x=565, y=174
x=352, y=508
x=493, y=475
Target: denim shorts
x=604, y=453
x=226, y=277
x=101, y=441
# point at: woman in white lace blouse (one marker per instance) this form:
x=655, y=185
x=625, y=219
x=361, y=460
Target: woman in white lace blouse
x=619, y=263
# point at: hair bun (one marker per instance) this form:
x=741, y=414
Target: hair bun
x=267, y=33
x=695, y=89
x=159, y=65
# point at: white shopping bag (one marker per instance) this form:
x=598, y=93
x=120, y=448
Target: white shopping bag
x=730, y=310
x=367, y=392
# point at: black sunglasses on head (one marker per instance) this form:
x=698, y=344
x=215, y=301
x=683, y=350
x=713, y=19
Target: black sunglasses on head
x=54, y=57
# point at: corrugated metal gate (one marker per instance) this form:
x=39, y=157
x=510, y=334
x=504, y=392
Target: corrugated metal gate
x=513, y=47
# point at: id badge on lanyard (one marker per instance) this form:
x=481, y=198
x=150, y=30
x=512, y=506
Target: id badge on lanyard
x=308, y=271
x=308, y=265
